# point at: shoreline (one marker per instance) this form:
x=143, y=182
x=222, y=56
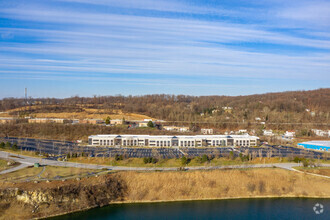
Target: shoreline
x=160, y=187
x=188, y=200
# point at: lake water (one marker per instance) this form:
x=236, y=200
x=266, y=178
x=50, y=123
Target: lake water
x=215, y=209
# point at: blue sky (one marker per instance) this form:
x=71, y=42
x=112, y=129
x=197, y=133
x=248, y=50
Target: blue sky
x=61, y=48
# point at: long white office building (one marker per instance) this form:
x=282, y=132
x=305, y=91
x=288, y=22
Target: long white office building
x=172, y=141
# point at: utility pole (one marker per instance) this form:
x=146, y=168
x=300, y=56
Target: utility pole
x=25, y=96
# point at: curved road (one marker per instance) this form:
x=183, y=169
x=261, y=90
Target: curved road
x=28, y=161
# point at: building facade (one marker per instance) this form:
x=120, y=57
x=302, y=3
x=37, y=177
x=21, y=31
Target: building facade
x=207, y=131
x=173, y=141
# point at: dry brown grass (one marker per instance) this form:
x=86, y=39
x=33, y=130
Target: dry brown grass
x=325, y=171
x=163, y=186
x=3, y=164
x=138, y=162
x=217, y=184
x=48, y=172
x=91, y=115
x=87, y=113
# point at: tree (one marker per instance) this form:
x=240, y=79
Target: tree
x=205, y=158
x=231, y=155
x=119, y=157
x=107, y=120
x=8, y=145
x=14, y=147
x=145, y=160
x=184, y=160
x=154, y=160
x=150, y=124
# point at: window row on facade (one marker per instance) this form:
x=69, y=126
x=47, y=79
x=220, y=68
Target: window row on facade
x=172, y=141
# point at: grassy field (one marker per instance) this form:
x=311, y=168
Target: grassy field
x=325, y=171
x=19, y=152
x=86, y=113
x=3, y=165
x=47, y=172
x=138, y=162
x=218, y=184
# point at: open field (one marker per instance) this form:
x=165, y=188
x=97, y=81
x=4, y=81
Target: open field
x=46, y=173
x=325, y=171
x=83, y=113
x=222, y=184
x=138, y=162
x=23, y=152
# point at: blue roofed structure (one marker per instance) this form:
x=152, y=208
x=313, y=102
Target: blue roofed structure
x=316, y=145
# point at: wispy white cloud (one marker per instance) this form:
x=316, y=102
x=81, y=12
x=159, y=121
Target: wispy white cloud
x=67, y=42
x=307, y=12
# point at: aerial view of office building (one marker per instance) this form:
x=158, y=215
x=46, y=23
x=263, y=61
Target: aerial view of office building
x=172, y=141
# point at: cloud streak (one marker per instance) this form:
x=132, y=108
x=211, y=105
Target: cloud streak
x=79, y=40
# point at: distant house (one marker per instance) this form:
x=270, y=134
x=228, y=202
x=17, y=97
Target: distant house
x=227, y=109
x=207, y=131
x=289, y=134
x=91, y=121
x=242, y=131
x=176, y=128
x=116, y=122
x=268, y=132
x=144, y=123
x=215, y=111
x=321, y=133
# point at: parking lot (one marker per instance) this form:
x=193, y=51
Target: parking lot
x=61, y=148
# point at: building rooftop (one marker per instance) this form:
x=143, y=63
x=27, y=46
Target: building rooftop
x=171, y=136
x=318, y=143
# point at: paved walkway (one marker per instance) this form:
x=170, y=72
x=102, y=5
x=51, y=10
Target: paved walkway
x=21, y=166
x=27, y=161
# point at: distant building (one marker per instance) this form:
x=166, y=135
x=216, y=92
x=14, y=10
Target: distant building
x=242, y=131
x=49, y=120
x=227, y=109
x=91, y=121
x=316, y=145
x=207, y=131
x=116, y=122
x=176, y=128
x=321, y=133
x=173, y=141
x=289, y=134
x=268, y=132
x=215, y=111
x=6, y=120
x=144, y=123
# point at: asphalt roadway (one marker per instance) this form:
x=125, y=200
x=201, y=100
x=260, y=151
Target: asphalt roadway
x=29, y=161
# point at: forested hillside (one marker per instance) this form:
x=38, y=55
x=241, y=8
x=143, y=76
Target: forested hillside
x=285, y=107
